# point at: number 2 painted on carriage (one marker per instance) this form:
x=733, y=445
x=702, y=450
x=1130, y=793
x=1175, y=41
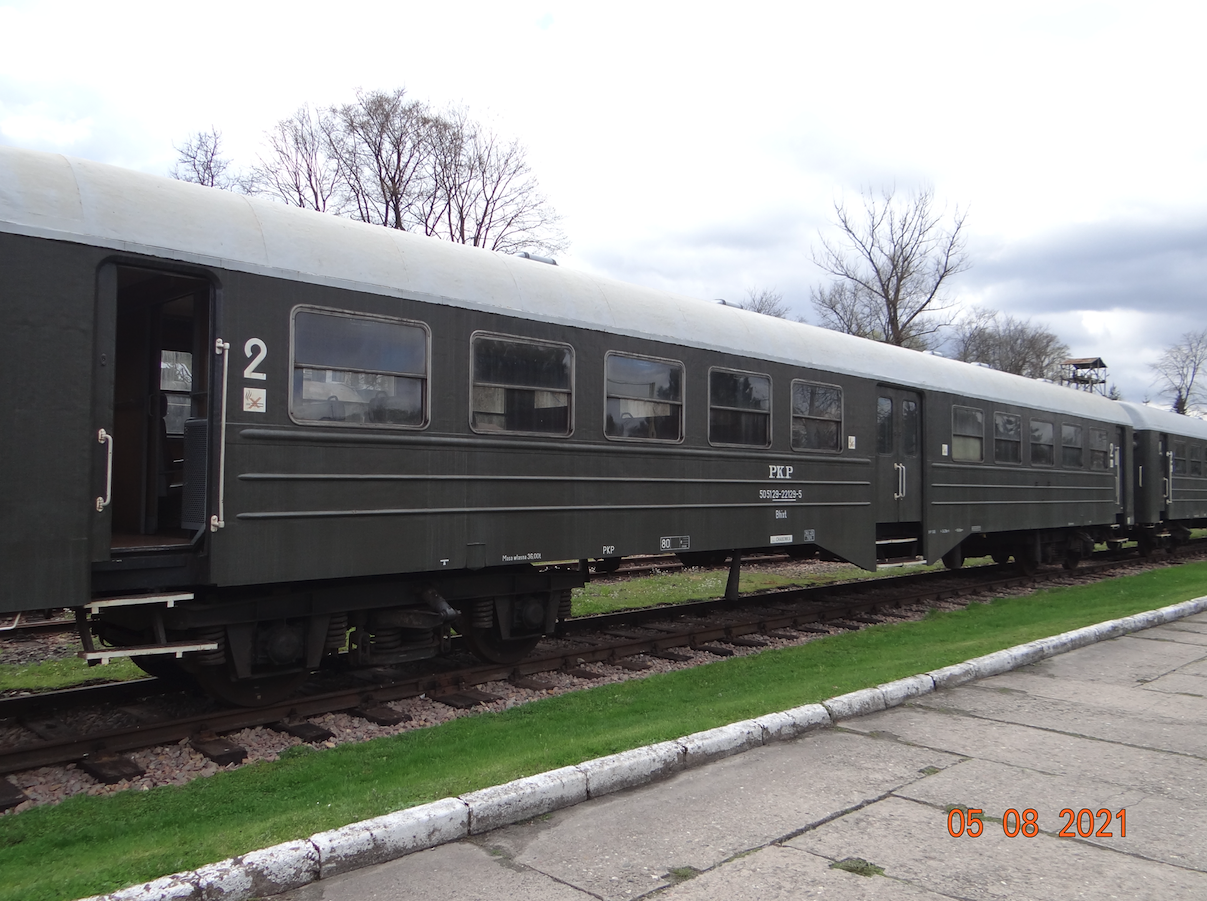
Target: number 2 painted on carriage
x=256, y=358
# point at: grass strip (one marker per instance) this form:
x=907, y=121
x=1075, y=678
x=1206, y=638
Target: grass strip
x=89, y=845
x=681, y=586
x=48, y=675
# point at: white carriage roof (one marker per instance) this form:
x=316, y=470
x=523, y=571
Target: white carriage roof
x=66, y=199
x=1155, y=419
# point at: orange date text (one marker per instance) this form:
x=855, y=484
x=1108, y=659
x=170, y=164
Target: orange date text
x=1082, y=823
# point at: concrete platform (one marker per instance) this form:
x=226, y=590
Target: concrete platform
x=1121, y=724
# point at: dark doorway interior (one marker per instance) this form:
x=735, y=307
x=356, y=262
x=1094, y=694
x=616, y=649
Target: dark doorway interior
x=160, y=394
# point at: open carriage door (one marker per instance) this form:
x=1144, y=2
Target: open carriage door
x=150, y=410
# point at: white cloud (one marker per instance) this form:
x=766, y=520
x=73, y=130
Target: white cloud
x=32, y=127
x=700, y=149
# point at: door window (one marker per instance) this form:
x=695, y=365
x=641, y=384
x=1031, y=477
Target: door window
x=884, y=425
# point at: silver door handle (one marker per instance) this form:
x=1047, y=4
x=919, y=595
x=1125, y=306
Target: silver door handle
x=106, y=439
x=900, y=467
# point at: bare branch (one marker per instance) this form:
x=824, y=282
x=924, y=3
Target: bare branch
x=891, y=263
x=485, y=193
x=381, y=148
x=1008, y=344
x=389, y=160
x=1178, y=371
x=200, y=162
x=765, y=301
x=300, y=166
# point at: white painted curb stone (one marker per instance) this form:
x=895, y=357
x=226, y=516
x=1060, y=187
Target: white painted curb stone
x=901, y=690
x=524, y=798
x=855, y=703
x=631, y=768
x=393, y=835
x=724, y=741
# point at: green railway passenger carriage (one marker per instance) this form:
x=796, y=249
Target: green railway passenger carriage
x=1170, y=472
x=236, y=432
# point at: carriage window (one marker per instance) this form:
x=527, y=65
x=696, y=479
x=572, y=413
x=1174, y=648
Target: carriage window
x=644, y=398
x=359, y=369
x=1100, y=450
x=884, y=425
x=1070, y=446
x=1196, y=460
x=1043, y=443
x=909, y=427
x=816, y=417
x=739, y=408
x=521, y=386
x=967, y=434
x=1179, y=458
x=1007, y=438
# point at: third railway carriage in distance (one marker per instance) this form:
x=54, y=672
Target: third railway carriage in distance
x=239, y=437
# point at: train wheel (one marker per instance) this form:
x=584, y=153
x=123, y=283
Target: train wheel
x=1072, y=559
x=488, y=645
x=262, y=691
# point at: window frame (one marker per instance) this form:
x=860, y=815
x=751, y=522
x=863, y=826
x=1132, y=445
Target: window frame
x=1181, y=461
x=770, y=406
x=883, y=448
x=1032, y=444
x=1104, y=437
x=1080, y=445
x=1196, y=460
x=681, y=403
x=792, y=416
x=537, y=342
x=338, y=312
x=1004, y=414
x=954, y=434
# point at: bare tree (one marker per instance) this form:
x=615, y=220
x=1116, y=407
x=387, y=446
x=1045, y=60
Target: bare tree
x=383, y=150
x=1179, y=368
x=200, y=161
x=843, y=309
x=301, y=165
x=1008, y=344
x=765, y=301
x=389, y=160
x=890, y=264
x=484, y=192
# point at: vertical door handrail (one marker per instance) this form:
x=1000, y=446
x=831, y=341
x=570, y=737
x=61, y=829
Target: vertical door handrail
x=900, y=493
x=218, y=520
x=106, y=439
x=1117, y=465
x=1169, y=477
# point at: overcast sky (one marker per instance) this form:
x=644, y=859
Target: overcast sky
x=694, y=147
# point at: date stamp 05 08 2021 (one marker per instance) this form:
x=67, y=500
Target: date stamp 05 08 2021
x=967, y=822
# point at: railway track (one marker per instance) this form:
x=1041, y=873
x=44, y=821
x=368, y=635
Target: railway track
x=45, y=729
